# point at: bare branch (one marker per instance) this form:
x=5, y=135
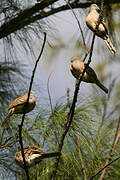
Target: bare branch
x=50, y=100
x=7, y=143
x=116, y=138
x=80, y=153
x=68, y=97
x=67, y=125
x=72, y=108
x=92, y=177
x=78, y=23
x=27, y=16
x=23, y=117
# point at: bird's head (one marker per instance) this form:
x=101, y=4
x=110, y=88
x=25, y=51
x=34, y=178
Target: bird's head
x=32, y=94
x=94, y=7
x=74, y=58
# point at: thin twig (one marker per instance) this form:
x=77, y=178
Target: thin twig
x=23, y=117
x=99, y=21
x=7, y=142
x=92, y=177
x=71, y=113
x=36, y=12
x=68, y=97
x=80, y=154
x=50, y=100
x=67, y=125
x=105, y=105
x=85, y=56
x=116, y=138
x=78, y=23
x=83, y=38
x=72, y=108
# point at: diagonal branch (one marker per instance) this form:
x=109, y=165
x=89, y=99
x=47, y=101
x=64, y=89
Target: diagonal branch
x=82, y=34
x=116, y=138
x=50, y=100
x=37, y=12
x=24, y=17
x=69, y=119
x=23, y=117
x=72, y=108
x=92, y=177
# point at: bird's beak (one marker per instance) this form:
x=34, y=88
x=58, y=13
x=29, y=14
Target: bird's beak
x=71, y=67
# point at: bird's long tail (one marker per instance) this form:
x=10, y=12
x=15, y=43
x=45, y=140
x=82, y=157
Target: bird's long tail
x=110, y=45
x=102, y=86
x=46, y=155
x=49, y=155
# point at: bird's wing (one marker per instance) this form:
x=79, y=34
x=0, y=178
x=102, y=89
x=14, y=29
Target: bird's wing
x=91, y=74
x=18, y=101
x=92, y=21
x=104, y=24
x=49, y=155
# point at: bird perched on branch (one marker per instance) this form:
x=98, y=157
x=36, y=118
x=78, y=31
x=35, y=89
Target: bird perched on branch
x=17, y=106
x=33, y=155
x=102, y=31
x=89, y=76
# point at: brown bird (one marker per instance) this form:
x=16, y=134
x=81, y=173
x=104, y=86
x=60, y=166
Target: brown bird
x=33, y=155
x=90, y=76
x=17, y=105
x=102, y=31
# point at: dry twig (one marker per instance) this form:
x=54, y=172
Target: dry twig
x=50, y=100
x=116, y=138
x=36, y=12
x=72, y=108
x=23, y=117
x=80, y=154
x=68, y=97
x=82, y=34
x=92, y=177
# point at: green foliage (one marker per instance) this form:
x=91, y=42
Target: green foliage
x=87, y=143
x=92, y=132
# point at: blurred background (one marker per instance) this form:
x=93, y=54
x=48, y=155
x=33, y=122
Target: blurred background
x=18, y=53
